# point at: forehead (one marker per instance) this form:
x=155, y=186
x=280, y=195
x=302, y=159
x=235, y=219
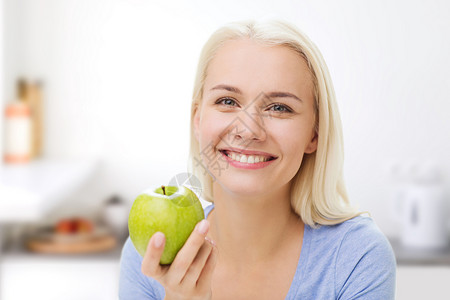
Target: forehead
x=255, y=67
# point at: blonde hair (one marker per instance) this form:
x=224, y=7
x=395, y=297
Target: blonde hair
x=318, y=193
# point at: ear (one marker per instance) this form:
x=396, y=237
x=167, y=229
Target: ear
x=312, y=146
x=196, y=121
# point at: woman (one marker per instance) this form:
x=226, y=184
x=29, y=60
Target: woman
x=266, y=143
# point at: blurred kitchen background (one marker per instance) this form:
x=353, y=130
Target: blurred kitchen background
x=101, y=91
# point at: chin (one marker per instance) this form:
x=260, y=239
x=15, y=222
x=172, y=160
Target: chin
x=241, y=186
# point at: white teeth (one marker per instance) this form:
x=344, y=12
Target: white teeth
x=233, y=156
x=250, y=159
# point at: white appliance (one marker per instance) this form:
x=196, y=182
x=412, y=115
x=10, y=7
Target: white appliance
x=420, y=205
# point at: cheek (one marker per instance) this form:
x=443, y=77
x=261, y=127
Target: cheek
x=290, y=146
x=212, y=128
x=291, y=137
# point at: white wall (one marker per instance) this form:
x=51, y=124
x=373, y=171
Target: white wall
x=118, y=82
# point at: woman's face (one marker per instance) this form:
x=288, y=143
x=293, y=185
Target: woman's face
x=256, y=118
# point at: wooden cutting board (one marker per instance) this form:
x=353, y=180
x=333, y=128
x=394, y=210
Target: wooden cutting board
x=72, y=245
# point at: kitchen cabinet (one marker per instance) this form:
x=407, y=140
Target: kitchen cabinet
x=421, y=273
x=27, y=193
x=418, y=282
x=47, y=277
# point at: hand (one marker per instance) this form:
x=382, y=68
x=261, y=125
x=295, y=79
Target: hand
x=189, y=275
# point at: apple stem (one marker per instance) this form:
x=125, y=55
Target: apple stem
x=163, y=189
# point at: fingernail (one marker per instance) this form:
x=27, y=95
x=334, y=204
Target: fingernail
x=203, y=226
x=158, y=240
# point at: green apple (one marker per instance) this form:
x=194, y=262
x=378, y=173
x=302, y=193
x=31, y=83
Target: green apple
x=171, y=210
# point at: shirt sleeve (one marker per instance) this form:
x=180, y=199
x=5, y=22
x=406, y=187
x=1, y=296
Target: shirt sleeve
x=365, y=265
x=133, y=285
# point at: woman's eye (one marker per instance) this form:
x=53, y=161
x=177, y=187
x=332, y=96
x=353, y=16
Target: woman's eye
x=277, y=107
x=280, y=108
x=226, y=101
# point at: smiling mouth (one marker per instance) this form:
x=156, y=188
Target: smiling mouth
x=243, y=158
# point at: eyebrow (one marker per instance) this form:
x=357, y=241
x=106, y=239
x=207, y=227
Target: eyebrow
x=271, y=94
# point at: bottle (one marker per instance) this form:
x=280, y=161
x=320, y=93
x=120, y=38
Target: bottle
x=34, y=100
x=18, y=128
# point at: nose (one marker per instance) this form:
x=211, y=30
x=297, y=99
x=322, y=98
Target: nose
x=250, y=126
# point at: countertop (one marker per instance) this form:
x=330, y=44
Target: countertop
x=18, y=251
x=416, y=256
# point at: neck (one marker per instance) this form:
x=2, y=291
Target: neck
x=251, y=229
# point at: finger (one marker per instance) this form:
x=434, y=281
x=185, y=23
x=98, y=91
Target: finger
x=188, y=252
x=150, y=263
x=204, y=280
x=197, y=265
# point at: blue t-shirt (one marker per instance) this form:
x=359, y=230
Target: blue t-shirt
x=351, y=260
